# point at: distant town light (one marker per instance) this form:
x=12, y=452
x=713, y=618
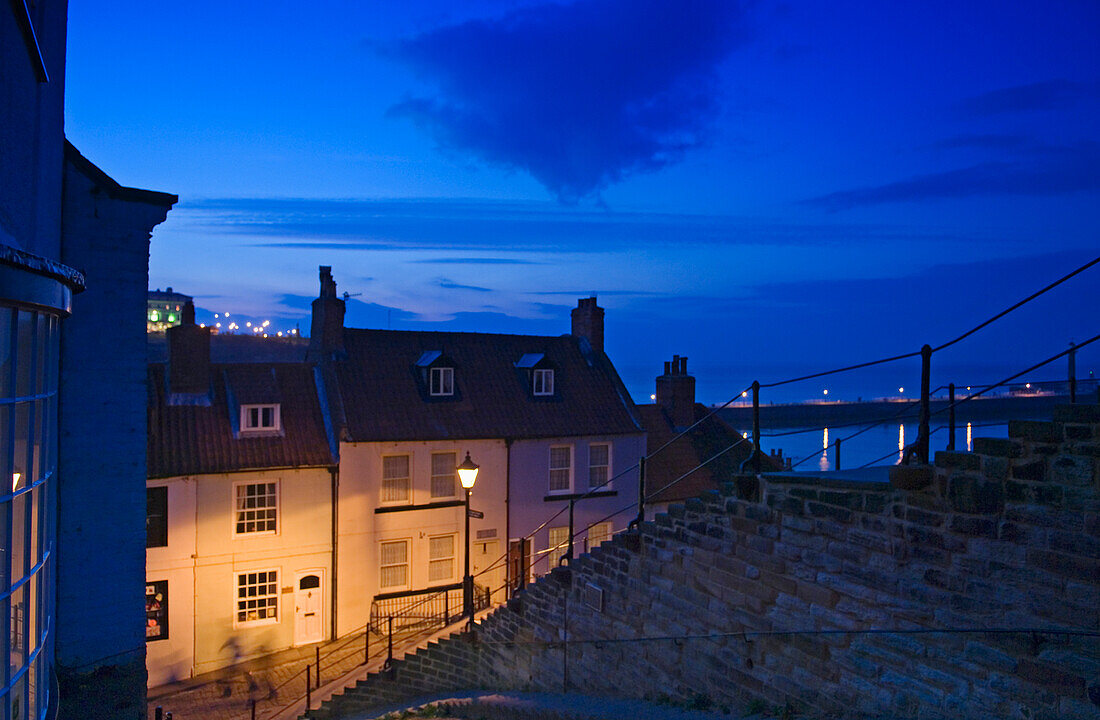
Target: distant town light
x=745, y=394
x=825, y=391
x=202, y=324
x=217, y=324
x=1028, y=386
x=745, y=435
x=652, y=397
x=248, y=324
x=215, y=316
x=901, y=390
x=266, y=323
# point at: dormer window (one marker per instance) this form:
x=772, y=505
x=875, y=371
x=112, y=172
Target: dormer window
x=260, y=418
x=443, y=381
x=543, y=382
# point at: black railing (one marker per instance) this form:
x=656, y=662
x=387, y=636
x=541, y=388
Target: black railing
x=431, y=606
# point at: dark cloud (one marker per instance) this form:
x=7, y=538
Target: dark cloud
x=1050, y=171
x=1048, y=95
x=578, y=95
x=451, y=285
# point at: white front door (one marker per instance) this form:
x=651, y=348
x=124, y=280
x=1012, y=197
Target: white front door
x=309, y=610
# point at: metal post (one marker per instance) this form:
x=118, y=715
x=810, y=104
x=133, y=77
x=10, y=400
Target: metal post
x=318, y=660
x=641, y=491
x=569, y=551
x=366, y=644
x=951, y=416
x=389, y=651
x=253, y=703
x=925, y=411
x=467, y=580
x=158, y=714
x=446, y=607
x=756, y=427
x=309, y=696
x=1072, y=359
x=836, y=455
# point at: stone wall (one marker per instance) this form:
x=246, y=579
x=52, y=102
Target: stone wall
x=832, y=598
x=100, y=558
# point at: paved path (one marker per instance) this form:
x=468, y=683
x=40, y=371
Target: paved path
x=277, y=681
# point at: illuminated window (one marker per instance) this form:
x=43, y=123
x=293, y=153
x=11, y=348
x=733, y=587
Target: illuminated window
x=257, y=508
x=543, y=382
x=443, y=381
x=154, y=316
x=260, y=418
x=395, y=479
x=598, y=534
x=258, y=597
x=558, y=544
x=599, y=464
x=441, y=558
x=443, y=475
x=394, y=564
x=561, y=468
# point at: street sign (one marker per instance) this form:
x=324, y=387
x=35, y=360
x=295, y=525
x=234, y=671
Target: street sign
x=475, y=514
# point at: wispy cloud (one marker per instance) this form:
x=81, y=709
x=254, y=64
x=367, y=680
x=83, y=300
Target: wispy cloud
x=452, y=285
x=579, y=95
x=474, y=261
x=1049, y=171
x=1056, y=94
x=984, y=142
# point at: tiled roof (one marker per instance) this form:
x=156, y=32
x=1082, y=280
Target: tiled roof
x=385, y=398
x=703, y=442
x=192, y=439
x=229, y=348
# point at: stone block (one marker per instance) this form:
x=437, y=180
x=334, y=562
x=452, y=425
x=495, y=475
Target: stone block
x=999, y=447
x=975, y=495
x=976, y=526
x=957, y=460
x=1032, y=471
x=1054, y=678
x=1038, y=431
x=910, y=477
x=1077, y=414
x=995, y=468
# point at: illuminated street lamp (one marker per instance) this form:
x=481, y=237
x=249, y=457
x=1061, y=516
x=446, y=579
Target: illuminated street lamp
x=467, y=475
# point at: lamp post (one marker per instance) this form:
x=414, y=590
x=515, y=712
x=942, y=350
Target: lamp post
x=467, y=475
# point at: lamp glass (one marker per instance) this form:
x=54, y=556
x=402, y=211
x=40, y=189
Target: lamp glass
x=467, y=472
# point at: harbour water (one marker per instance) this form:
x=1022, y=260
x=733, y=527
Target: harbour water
x=814, y=449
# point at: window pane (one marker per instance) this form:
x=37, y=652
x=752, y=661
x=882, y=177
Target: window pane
x=443, y=475
x=395, y=467
x=257, y=508
x=558, y=544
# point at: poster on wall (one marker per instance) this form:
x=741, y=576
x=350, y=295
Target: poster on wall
x=156, y=610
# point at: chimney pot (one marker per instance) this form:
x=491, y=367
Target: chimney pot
x=676, y=392
x=326, y=334
x=188, y=355
x=587, y=322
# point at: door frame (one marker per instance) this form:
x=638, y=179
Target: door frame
x=320, y=573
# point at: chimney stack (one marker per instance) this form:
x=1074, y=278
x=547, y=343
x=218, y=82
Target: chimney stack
x=676, y=392
x=326, y=333
x=188, y=355
x=588, y=322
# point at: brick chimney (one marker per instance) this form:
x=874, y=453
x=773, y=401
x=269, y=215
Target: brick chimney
x=188, y=355
x=588, y=322
x=326, y=333
x=676, y=392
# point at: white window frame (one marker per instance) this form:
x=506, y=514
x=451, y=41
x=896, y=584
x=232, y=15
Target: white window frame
x=246, y=418
x=550, y=475
x=542, y=382
x=407, y=542
x=445, y=386
x=606, y=466
x=238, y=508
x=453, y=471
x=408, y=481
x=237, y=599
x=450, y=559
x=603, y=533
x=555, y=549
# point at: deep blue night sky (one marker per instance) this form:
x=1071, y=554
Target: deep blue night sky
x=767, y=188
